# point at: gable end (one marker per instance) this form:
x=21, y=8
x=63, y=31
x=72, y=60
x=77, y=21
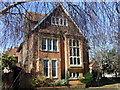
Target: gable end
x=64, y=9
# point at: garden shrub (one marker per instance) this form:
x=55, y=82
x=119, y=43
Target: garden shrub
x=39, y=80
x=53, y=84
x=87, y=79
x=59, y=82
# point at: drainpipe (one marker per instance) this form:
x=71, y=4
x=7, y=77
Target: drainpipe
x=37, y=60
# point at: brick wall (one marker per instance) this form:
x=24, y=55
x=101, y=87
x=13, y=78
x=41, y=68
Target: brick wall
x=32, y=54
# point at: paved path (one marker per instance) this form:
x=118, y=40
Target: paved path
x=111, y=75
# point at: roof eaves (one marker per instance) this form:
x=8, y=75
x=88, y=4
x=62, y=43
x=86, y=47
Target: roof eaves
x=71, y=18
x=44, y=18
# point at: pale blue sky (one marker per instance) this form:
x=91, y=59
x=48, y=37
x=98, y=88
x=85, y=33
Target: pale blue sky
x=31, y=9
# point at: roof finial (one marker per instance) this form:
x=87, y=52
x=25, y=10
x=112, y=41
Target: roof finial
x=59, y=3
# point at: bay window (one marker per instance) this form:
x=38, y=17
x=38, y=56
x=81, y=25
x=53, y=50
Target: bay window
x=74, y=53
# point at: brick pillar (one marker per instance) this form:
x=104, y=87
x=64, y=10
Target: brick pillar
x=62, y=52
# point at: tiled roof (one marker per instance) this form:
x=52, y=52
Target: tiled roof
x=12, y=51
x=34, y=16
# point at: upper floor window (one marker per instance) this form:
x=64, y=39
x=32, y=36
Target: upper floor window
x=74, y=52
x=59, y=21
x=43, y=44
x=49, y=44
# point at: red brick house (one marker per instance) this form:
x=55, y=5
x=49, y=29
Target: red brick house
x=54, y=45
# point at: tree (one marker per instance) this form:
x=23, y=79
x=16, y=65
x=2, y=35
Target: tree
x=6, y=9
x=98, y=22
x=109, y=63
x=8, y=61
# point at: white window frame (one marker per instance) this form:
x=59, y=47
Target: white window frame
x=56, y=45
x=63, y=20
x=75, y=74
x=52, y=20
x=48, y=67
x=74, y=65
x=42, y=44
x=51, y=44
x=60, y=21
x=48, y=45
x=66, y=22
x=56, y=68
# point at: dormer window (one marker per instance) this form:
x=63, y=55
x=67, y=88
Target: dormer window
x=59, y=21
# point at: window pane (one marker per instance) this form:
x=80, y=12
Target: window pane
x=73, y=74
x=77, y=43
x=46, y=67
x=73, y=42
x=61, y=21
x=77, y=74
x=70, y=74
x=74, y=60
x=70, y=42
x=74, y=51
x=70, y=51
x=78, y=60
x=57, y=21
x=53, y=68
x=43, y=44
x=53, y=20
x=65, y=22
x=49, y=44
x=54, y=45
x=71, y=61
x=77, y=51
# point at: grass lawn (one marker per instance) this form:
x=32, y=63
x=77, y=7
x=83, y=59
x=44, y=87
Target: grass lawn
x=117, y=85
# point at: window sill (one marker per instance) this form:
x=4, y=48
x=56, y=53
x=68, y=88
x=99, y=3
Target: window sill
x=50, y=51
x=73, y=78
x=54, y=77
x=47, y=77
x=59, y=25
x=75, y=66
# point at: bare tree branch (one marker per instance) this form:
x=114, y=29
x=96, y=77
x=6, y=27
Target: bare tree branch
x=3, y=11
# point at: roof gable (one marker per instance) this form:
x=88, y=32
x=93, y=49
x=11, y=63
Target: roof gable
x=64, y=9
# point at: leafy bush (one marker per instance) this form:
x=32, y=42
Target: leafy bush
x=8, y=60
x=53, y=84
x=59, y=82
x=39, y=80
x=87, y=79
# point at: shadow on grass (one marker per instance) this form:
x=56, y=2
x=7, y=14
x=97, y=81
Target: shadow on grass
x=105, y=81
